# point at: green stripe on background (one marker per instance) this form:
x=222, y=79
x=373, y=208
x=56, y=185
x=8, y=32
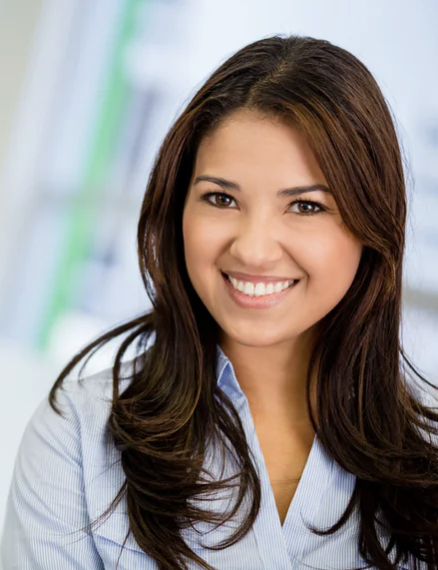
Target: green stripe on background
x=81, y=218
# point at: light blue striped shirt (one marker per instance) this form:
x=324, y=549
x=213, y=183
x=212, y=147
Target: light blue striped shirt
x=65, y=476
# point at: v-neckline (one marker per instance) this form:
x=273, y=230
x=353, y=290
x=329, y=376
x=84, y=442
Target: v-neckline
x=296, y=500
x=278, y=544
x=285, y=454
x=287, y=539
x=292, y=515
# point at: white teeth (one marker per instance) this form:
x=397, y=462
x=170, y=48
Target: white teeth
x=249, y=289
x=260, y=288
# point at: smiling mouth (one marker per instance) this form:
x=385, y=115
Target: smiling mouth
x=271, y=292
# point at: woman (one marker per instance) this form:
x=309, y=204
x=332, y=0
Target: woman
x=270, y=423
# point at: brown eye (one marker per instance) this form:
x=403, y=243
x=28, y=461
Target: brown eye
x=307, y=207
x=222, y=199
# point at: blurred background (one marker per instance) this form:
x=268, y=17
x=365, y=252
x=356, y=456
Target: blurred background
x=88, y=90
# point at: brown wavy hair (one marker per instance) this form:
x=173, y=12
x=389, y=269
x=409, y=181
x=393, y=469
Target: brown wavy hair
x=371, y=418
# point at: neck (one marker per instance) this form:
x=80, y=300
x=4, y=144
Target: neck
x=273, y=379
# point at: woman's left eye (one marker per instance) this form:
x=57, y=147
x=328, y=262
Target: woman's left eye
x=311, y=204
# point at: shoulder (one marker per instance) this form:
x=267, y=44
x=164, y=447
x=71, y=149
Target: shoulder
x=77, y=442
x=80, y=429
x=88, y=407
x=66, y=474
x=85, y=406
x=90, y=397
x=77, y=437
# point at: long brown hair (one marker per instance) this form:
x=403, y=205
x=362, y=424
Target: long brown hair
x=370, y=416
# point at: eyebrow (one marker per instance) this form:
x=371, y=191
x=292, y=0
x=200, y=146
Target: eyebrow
x=228, y=185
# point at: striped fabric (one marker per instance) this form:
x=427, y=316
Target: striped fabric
x=65, y=476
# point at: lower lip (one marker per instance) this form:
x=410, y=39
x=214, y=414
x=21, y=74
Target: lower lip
x=262, y=302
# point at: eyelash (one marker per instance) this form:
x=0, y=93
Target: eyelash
x=207, y=195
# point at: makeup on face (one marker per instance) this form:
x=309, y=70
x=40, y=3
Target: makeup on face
x=262, y=231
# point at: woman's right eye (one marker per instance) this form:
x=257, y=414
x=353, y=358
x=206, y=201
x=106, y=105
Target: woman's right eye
x=206, y=197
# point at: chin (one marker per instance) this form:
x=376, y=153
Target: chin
x=250, y=335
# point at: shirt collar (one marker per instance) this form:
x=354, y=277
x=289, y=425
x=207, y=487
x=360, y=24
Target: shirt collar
x=226, y=377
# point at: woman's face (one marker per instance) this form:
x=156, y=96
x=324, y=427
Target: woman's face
x=249, y=227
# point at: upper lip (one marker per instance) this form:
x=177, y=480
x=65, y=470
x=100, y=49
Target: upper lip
x=257, y=278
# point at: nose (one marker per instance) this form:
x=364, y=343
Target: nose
x=255, y=244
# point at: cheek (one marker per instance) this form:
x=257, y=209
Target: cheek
x=201, y=245
x=191, y=242
x=332, y=259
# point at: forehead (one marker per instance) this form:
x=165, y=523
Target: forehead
x=247, y=142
